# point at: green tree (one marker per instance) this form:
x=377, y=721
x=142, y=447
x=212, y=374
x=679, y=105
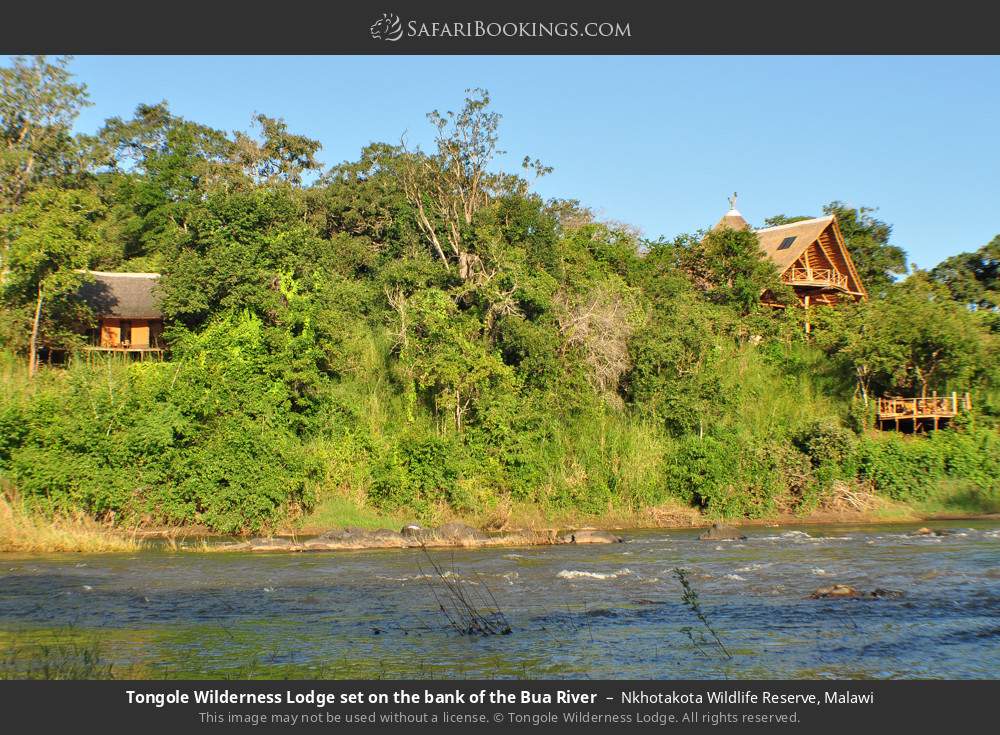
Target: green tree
x=446, y=358
x=49, y=241
x=730, y=267
x=448, y=187
x=913, y=340
x=38, y=104
x=973, y=278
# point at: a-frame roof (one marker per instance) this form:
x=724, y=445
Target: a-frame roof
x=796, y=237
x=805, y=232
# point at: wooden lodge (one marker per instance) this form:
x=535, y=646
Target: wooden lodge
x=811, y=257
x=920, y=414
x=127, y=308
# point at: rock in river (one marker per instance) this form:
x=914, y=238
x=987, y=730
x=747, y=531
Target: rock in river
x=722, y=533
x=846, y=591
x=590, y=536
x=835, y=590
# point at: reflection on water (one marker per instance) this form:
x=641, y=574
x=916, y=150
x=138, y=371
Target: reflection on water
x=577, y=611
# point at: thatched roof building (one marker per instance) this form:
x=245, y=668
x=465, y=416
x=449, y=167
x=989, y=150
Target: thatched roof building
x=811, y=257
x=127, y=306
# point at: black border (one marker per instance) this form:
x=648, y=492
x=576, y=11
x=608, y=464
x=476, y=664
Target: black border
x=665, y=27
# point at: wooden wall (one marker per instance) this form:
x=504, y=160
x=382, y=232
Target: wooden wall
x=145, y=332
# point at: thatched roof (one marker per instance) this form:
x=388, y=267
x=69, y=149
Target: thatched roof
x=733, y=220
x=123, y=295
x=805, y=233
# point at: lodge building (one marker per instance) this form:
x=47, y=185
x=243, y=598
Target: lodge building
x=811, y=258
x=127, y=307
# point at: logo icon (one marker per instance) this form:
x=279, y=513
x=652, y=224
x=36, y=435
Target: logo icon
x=387, y=28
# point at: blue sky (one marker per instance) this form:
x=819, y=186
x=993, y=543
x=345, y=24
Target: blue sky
x=658, y=142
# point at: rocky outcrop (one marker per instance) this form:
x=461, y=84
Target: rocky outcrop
x=356, y=538
x=722, y=533
x=414, y=536
x=269, y=544
x=932, y=532
x=590, y=536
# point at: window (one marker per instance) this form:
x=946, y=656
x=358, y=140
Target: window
x=786, y=243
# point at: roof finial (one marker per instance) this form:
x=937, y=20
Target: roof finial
x=732, y=201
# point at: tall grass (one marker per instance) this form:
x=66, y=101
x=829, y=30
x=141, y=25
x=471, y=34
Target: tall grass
x=25, y=532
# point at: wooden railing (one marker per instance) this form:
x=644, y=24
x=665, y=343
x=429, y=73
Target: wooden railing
x=814, y=276
x=926, y=407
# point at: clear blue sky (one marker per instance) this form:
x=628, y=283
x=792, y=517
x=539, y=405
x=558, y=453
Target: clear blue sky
x=658, y=142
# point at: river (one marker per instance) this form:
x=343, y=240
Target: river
x=612, y=611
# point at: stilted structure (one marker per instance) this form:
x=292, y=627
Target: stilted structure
x=920, y=414
x=127, y=307
x=811, y=257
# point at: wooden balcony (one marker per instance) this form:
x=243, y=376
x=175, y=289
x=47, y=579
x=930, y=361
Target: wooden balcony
x=815, y=277
x=918, y=414
x=127, y=351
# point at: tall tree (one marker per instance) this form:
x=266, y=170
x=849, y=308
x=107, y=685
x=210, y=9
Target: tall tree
x=278, y=156
x=973, y=278
x=50, y=238
x=731, y=268
x=38, y=104
x=448, y=187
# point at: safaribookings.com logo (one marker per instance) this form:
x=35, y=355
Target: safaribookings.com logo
x=390, y=28
x=387, y=28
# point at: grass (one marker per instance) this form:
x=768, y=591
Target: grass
x=65, y=656
x=960, y=498
x=25, y=532
x=342, y=511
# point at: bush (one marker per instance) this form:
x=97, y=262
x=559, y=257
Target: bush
x=912, y=467
x=418, y=473
x=205, y=439
x=727, y=478
x=824, y=441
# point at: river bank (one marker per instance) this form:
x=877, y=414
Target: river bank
x=354, y=528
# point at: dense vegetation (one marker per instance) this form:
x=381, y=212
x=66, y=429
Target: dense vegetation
x=418, y=330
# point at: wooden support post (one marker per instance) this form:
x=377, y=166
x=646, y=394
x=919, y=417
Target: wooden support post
x=806, y=303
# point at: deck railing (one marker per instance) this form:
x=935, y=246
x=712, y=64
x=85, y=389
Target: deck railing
x=815, y=276
x=926, y=407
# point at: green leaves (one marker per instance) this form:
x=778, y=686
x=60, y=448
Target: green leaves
x=914, y=340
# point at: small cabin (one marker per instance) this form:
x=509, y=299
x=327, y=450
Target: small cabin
x=127, y=307
x=811, y=257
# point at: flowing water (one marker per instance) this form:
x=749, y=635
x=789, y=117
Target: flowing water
x=613, y=611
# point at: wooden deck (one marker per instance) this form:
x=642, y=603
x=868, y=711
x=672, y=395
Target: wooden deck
x=815, y=277
x=920, y=414
x=121, y=349
x=141, y=353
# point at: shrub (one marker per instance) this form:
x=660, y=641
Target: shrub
x=416, y=473
x=731, y=477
